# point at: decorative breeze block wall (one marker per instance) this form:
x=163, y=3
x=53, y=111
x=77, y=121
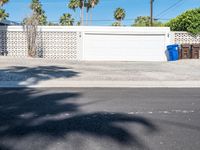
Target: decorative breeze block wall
x=185, y=38
x=3, y=41
x=16, y=44
x=58, y=45
x=50, y=44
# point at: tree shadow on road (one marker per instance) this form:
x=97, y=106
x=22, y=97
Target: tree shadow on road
x=55, y=115
x=22, y=75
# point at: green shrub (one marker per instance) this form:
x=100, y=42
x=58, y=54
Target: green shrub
x=188, y=21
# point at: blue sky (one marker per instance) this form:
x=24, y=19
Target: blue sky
x=18, y=9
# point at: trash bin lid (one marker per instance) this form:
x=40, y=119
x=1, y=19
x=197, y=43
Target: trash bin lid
x=185, y=45
x=172, y=46
x=196, y=45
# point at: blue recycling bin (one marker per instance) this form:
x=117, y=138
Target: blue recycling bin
x=173, y=52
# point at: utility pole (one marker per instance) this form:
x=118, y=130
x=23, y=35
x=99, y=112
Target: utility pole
x=151, y=13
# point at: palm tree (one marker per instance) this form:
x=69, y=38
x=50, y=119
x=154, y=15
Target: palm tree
x=66, y=19
x=36, y=7
x=119, y=14
x=3, y=14
x=78, y=23
x=74, y=4
x=116, y=24
x=142, y=21
x=3, y=2
x=92, y=4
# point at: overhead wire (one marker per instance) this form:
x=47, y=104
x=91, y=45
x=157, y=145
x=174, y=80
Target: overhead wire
x=157, y=17
x=167, y=9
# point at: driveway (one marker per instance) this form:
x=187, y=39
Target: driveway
x=27, y=71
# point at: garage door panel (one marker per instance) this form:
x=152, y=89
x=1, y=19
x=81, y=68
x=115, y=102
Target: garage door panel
x=124, y=47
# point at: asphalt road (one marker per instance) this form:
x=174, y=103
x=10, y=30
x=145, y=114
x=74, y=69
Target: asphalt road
x=99, y=119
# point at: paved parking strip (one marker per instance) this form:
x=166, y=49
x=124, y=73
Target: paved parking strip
x=39, y=72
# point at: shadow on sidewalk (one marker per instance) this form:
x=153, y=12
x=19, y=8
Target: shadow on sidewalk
x=26, y=76
x=38, y=118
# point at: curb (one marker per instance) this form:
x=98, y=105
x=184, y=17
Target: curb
x=103, y=84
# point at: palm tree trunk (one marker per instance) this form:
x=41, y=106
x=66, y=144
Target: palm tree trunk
x=91, y=16
x=87, y=18
x=82, y=13
x=80, y=17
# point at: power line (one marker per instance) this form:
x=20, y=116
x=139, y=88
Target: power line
x=170, y=7
x=47, y=3
x=112, y=20
x=104, y=20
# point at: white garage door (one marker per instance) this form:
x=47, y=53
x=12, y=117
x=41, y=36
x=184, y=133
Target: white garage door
x=124, y=47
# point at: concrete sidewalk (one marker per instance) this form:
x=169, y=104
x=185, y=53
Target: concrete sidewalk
x=101, y=84
x=31, y=72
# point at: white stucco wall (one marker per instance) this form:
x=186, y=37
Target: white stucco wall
x=91, y=43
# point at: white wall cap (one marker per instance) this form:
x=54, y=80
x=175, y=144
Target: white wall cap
x=93, y=29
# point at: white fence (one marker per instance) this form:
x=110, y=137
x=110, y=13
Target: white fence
x=90, y=43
